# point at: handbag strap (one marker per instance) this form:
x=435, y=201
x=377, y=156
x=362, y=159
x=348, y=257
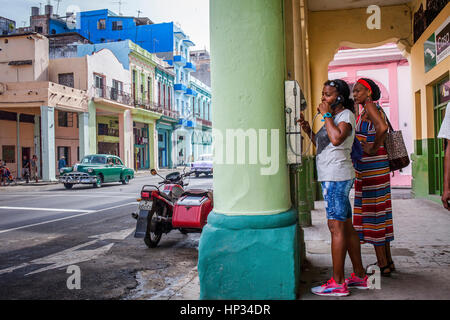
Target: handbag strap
x=386, y=117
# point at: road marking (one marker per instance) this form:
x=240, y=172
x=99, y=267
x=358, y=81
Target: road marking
x=45, y=209
x=73, y=255
x=65, y=218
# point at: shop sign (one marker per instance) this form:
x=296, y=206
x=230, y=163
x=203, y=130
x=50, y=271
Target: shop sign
x=444, y=92
x=443, y=41
x=437, y=47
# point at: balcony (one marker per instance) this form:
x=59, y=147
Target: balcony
x=190, y=67
x=113, y=94
x=171, y=113
x=179, y=60
x=191, y=92
x=179, y=88
x=188, y=42
x=204, y=122
x=144, y=103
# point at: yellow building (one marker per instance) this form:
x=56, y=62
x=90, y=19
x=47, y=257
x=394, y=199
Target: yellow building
x=237, y=255
x=315, y=30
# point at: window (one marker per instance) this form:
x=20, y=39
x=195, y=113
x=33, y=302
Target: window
x=99, y=85
x=66, y=79
x=9, y=154
x=164, y=96
x=38, y=29
x=169, y=98
x=159, y=93
x=117, y=162
x=101, y=24
x=116, y=90
x=65, y=119
x=117, y=25
x=149, y=86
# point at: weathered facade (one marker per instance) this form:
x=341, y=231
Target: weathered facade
x=48, y=115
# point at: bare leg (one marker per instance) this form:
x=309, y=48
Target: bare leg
x=380, y=251
x=354, y=249
x=338, y=249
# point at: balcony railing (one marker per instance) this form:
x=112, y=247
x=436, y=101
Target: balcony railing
x=113, y=94
x=204, y=122
x=155, y=107
x=108, y=132
x=171, y=113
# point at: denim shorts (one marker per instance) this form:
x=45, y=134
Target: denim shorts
x=336, y=196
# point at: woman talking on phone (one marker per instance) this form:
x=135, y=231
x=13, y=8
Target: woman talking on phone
x=336, y=173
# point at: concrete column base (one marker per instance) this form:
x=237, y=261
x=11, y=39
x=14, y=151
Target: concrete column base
x=249, y=257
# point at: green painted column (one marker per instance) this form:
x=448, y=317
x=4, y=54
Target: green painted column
x=249, y=248
x=309, y=182
x=92, y=127
x=299, y=183
x=83, y=132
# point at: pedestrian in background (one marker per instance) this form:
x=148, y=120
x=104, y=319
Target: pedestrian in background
x=34, y=162
x=26, y=168
x=444, y=133
x=372, y=217
x=335, y=171
x=62, y=163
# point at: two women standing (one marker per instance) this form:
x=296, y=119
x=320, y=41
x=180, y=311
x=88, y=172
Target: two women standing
x=373, y=216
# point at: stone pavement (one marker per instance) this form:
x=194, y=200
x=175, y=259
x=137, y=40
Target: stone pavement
x=421, y=252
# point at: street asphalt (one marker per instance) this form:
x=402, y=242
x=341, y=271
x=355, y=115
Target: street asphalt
x=47, y=230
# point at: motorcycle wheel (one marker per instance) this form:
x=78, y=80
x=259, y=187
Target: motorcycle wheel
x=151, y=238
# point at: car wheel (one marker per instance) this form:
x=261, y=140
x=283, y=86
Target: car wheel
x=68, y=185
x=197, y=174
x=126, y=180
x=98, y=183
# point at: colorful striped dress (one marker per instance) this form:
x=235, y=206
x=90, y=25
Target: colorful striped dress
x=372, y=217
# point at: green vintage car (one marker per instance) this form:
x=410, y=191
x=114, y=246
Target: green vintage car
x=96, y=169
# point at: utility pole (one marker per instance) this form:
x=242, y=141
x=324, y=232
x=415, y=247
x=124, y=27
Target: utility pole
x=57, y=6
x=139, y=12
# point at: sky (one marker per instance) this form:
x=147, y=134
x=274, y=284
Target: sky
x=192, y=15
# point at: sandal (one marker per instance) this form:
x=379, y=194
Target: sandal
x=391, y=266
x=382, y=269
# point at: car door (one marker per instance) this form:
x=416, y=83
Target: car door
x=118, y=168
x=108, y=171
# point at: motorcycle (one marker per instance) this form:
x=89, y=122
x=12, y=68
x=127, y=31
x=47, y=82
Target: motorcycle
x=167, y=206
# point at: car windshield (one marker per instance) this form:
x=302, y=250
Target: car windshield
x=94, y=160
x=205, y=158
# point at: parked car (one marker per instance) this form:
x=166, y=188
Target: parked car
x=96, y=169
x=204, y=165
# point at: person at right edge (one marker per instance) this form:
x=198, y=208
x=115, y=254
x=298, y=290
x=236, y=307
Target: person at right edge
x=444, y=133
x=372, y=216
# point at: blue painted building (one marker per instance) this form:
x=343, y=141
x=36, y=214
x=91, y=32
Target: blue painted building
x=168, y=42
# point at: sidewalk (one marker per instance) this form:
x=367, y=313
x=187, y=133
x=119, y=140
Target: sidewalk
x=421, y=252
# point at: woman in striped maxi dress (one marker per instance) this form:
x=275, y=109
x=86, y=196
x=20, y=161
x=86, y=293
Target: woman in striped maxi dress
x=372, y=217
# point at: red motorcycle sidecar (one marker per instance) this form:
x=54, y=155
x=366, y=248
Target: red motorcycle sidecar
x=192, y=209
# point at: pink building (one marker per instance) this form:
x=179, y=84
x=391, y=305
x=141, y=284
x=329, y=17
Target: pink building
x=391, y=71
x=37, y=116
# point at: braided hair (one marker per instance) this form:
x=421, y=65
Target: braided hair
x=344, y=91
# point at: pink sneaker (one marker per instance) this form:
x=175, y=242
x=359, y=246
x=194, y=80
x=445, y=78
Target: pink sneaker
x=356, y=282
x=331, y=288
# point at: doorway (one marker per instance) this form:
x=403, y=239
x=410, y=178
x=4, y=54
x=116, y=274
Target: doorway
x=440, y=103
